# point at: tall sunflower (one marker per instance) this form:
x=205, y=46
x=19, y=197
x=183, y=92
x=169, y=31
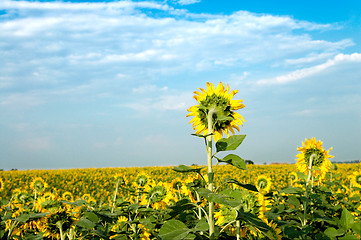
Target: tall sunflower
x=219, y=102
x=320, y=163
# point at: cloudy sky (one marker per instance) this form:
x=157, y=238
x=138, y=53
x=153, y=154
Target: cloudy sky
x=108, y=83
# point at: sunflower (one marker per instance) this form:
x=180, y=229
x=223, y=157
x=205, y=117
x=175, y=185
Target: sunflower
x=38, y=184
x=263, y=183
x=293, y=177
x=68, y=196
x=142, y=179
x=159, y=196
x=1, y=184
x=356, y=179
x=320, y=164
x=219, y=102
x=121, y=179
x=119, y=224
x=56, y=220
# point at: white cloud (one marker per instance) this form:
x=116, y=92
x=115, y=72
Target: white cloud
x=307, y=72
x=179, y=101
x=188, y=2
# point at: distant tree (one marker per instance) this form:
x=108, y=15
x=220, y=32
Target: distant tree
x=249, y=162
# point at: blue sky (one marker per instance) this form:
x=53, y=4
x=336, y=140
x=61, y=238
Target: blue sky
x=107, y=84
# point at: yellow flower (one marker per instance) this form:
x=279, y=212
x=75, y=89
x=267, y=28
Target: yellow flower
x=320, y=164
x=67, y=196
x=38, y=184
x=1, y=184
x=219, y=102
x=356, y=179
x=263, y=183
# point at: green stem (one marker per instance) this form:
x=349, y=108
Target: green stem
x=210, y=172
x=115, y=195
x=306, y=193
x=238, y=225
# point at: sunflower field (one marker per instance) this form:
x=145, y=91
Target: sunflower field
x=311, y=199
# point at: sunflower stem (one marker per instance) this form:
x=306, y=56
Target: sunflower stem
x=210, y=171
x=115, y=195
x=238, y=225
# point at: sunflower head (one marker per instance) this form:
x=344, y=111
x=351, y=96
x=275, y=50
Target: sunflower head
x=38, y=184
x=54, y=220
x=218, y=103
x=142, y=179
x=312, y=149
x=293, y=177
x=68, y=196
x=120, y=179
x=263, y=183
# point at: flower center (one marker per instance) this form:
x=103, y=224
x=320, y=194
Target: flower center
x=317, y=160
x=223, y=114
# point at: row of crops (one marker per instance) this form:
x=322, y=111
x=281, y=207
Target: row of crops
x=262, y=202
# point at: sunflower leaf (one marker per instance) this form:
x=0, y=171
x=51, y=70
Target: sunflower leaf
x=184, y=168
x=173, y=229
x=230, y=143
x=346, y=219
x=201, y=135
x=234, y=160
x=244, y=185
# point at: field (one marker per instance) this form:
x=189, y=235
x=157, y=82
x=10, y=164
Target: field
x=161, y=203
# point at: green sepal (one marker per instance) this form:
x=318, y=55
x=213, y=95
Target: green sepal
x=230, y=143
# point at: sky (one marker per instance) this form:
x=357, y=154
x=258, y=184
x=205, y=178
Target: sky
x=88, y=84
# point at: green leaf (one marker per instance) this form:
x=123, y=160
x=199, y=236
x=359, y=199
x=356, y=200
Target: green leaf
x=23, y=217
x=246, y=186
x=85, y=223
x=91, y=216
x=348, y=237
x=293, y=201
x=212, y=197
x=230, y=143
x=202, y=225
x=234, y=160
x=332, y=232
x=356, y=227
x=184, y=168
x=173, y=230
x=253, y=220
x=346, y=219
x=201, y=135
